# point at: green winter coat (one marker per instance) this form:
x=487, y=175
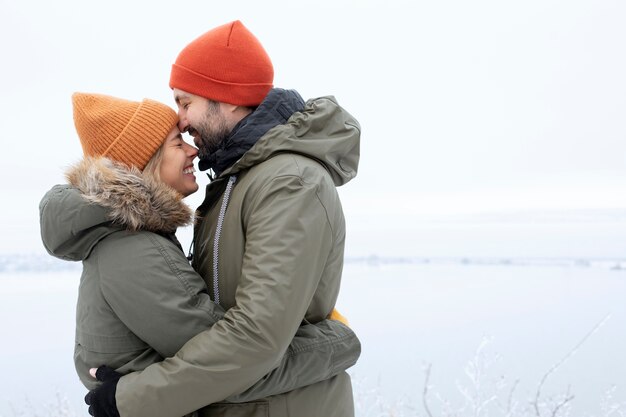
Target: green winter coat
x=139, y=299
x=270, y=244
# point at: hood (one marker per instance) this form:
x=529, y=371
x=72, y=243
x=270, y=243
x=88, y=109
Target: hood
x=104, y=197
x=322, y=131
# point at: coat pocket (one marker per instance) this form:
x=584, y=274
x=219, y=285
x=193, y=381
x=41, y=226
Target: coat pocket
x=249, y=409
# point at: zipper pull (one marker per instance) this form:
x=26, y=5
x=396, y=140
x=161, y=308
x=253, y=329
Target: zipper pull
x=190, y=253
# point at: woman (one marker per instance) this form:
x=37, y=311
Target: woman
x=139, y=299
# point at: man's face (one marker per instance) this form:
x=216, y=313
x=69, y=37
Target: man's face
x=203, y=119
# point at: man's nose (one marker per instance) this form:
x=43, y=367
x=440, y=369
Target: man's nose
x=183, y=126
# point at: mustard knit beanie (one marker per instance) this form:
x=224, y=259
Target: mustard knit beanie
x=125, y=131
x=226, y=64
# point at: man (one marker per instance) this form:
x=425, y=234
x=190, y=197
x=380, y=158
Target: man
x=270, y=238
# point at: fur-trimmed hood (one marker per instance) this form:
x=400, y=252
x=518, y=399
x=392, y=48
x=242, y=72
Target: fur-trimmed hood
x=134, y=200
x=104, y=197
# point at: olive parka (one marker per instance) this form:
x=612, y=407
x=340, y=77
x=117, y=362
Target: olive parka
x=139, y=299
x=270, y=243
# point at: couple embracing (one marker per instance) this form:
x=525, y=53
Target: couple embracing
x=248, y=328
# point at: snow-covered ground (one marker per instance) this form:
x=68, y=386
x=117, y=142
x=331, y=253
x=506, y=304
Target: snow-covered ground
x=409, y=309
x=409, y=316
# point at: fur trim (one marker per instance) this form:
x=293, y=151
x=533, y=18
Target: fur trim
x=135, y=201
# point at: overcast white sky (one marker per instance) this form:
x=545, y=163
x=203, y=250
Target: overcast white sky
x=465, y=106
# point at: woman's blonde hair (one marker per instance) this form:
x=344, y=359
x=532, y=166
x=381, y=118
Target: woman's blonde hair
x=153, y=167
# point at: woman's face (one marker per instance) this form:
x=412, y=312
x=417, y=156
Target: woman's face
x=177, y=164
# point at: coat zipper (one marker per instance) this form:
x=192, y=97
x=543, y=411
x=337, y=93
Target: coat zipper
x=216, y=239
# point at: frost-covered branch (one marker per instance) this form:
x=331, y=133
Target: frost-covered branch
x=572, y=352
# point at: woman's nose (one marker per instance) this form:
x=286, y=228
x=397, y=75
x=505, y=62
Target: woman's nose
x=192, y=151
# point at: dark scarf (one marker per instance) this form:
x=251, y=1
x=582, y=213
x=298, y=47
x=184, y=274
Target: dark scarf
x=276, y=109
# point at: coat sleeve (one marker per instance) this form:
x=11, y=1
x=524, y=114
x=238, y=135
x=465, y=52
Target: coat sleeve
x=288, y=239
x=69, y=226
x=152, y=288
x=317, y=352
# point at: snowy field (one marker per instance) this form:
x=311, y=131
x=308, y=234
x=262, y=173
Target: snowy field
x=409, y=316
x=410, y=312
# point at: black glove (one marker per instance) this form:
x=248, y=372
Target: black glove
x=101, y=401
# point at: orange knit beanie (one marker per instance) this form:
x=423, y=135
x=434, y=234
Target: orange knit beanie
x=226, y=64
x=126, y=131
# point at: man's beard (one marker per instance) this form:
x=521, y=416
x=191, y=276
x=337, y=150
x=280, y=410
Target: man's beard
x=212, y=131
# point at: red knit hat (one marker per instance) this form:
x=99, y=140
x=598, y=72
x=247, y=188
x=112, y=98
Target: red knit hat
x=226, y=64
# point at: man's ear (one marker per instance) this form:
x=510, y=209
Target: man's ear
x=233, y=113
x=229, y=108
